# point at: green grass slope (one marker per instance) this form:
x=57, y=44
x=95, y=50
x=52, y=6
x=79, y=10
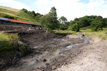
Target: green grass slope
x=15, y=14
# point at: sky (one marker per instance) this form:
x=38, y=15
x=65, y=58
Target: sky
x=71, y=9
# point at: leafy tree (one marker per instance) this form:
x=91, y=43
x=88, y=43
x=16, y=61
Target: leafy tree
x=73, y=22
x=63, y=27
x=25, y=10
x=70, y=27
x=74, y=27
x=105, y=22
x=62, y=20
x=49, y=21
x=32, y=13
x=76, y=19
x=99, y=18
x=63, y=23
x=96, y=25
x=84, y=21
x=38, y=17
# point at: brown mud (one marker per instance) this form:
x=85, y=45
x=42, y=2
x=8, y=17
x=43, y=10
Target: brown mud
x=47, y=51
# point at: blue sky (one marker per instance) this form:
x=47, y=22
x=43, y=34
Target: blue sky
x=69, y=8
x=84, y=1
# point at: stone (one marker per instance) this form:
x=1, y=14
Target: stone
x=105, y=32
x=44, y=60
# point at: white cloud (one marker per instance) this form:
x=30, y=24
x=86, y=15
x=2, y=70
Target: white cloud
x=43, y=6
x=13, y=4
x=73, y=8
x=68, y=8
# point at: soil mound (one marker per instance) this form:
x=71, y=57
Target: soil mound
x=32, y=38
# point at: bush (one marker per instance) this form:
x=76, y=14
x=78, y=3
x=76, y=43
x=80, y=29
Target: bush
x=51, y=31
x=74, y=27
x=96, y=25
x=7, y=16
x=70, y=27
x=63, y=27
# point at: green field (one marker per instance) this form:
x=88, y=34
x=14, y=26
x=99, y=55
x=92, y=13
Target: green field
x=101, y=34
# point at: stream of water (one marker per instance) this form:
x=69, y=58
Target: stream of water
x=47, y=56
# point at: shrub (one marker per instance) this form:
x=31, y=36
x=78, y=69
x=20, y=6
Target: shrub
x=74, y=27
x=96, y=25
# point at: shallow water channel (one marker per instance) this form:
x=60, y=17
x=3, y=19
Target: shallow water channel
x=41, y=60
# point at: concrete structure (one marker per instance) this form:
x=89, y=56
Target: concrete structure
x=12, y=22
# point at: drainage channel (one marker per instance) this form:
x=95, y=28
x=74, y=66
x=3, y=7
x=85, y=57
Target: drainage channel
x=41, y=60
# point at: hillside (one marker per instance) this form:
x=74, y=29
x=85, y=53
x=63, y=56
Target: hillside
x=16, y=14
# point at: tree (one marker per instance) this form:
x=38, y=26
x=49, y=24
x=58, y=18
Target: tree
x=32, y=13
x=105, y=22
x=63, y=23
x=73, y=22
x=25, y=10
x=76, y=19
x=84, y=21
x=63, y=27
x=96, y=25
x=49, y=21
x=62, y=20
x=74, y=27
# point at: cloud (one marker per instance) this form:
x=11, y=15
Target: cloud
x=43, y=6
x=69, y=8
x=13, y=4
x=73, y=8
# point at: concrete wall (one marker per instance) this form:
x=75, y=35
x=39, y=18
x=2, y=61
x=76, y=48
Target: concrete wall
x=12, y=26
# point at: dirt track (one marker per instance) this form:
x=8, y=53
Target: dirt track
x=93, y=58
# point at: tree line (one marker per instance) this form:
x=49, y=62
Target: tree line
x=34, y=15
x=50, y=21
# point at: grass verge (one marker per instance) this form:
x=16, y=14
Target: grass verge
x=88, y=32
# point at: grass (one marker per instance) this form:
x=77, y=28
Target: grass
x=15, y=10
x=8, y=37
x=66, y=32
x=9, y=45
x=17, y=14
x=88, y=32
x=101, y=34
x=7, y=41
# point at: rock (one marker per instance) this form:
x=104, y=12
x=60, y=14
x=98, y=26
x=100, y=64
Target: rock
x=105, y=32
x=44, y=60
x=81, y=35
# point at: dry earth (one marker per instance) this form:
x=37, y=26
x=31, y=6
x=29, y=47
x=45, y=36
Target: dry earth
x=93, y=58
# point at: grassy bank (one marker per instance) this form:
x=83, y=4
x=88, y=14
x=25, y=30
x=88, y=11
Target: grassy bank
x=66, y=32
x=9, y=43
x=101, y=34
x=15, y=14
x=11, y=50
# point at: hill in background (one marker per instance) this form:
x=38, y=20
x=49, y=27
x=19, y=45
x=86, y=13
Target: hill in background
x=22, y=14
